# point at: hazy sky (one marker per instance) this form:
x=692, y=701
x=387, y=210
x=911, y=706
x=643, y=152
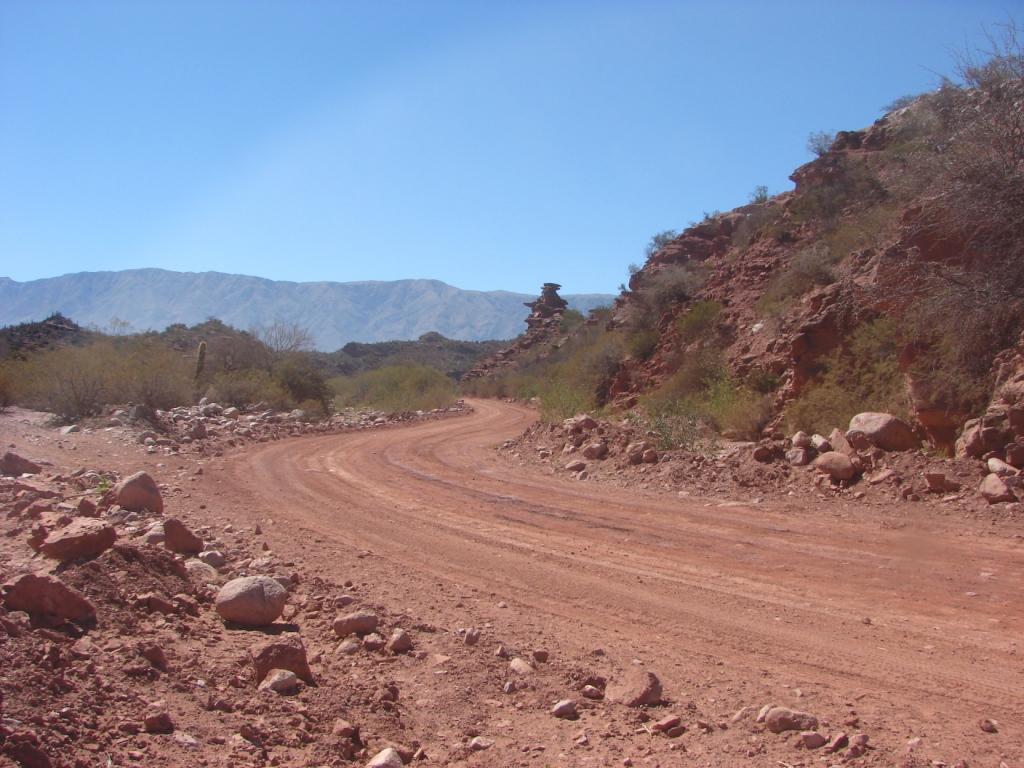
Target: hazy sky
x=487, y=144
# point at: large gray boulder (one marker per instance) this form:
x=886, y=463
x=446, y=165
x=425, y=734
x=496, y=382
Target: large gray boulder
x=888, y=432
x=251, y=600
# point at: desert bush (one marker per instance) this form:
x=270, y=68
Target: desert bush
x=245, y=388
x=659, y=241
x=818, y=142
x=302, y=380
x=862, y=376
x=6, y=388
x=851, y=184
x=656, y=292
x=571, y=319
x=699, y=321
x=395, y=388
x=809, y=268
x=759, y=195
x=70, y=382
x=641, y=343
x=900, y=102
x=764, y=219
x=147, y=372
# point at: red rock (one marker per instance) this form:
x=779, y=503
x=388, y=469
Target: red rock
x=635, y=689
x=812, y=739
x=13, y=464
x=286, y=652
x=400, y=642
x=596, y=450
x=178, y=538
x=84, y=537
x=86, y=507
x=358, y=623
x=781, y=719
x=159, y=722
x=47, y=599
x=669, y=721
x=836, y=465
x=154, y=654
x=139, y=492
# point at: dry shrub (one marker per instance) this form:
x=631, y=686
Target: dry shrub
x=395, y=388
x=863, y=376
x=245, y=388
x=809, y=268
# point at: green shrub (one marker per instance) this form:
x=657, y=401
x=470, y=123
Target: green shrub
x=659, y=241
x=763, y=220
x=302, y=380
x=809, y=268
x=863, y=376
x=395, y=388
x=571, y=319
x=71, y=382
x=699, y=321
x=563, y=399
x=852, y=183
x=641, y=343
x=150, y=373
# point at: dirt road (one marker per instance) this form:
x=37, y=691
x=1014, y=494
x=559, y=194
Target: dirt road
x=906, y=626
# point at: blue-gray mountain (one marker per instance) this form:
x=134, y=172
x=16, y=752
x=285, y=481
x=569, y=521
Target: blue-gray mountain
x=335, y=313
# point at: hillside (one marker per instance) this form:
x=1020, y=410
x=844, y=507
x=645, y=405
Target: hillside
x=335, y=313
x=887, y=280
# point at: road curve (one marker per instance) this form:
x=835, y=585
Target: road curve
x=916, y=616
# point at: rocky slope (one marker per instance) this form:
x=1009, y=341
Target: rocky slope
x=335, y=313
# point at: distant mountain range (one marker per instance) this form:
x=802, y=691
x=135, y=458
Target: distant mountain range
x=334, y=313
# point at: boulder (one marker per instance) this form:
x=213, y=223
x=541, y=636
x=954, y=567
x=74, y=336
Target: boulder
x=635, y=689
x=781, y=719
x=576, y=465
x=139, y=492
x=84, y=537
x=820, y=443
x=284, y=652
x=886, y=431
x=938, y=482
x=1015, y=455
x=836, y=465
x=13, y=464
x=995, y=490
x=358, y=623
x=596, y=450
x=47, y=599
x=178, y=538
x=565, y=710
x=251, y=600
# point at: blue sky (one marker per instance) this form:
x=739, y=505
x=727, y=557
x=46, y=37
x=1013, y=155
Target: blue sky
x=487, y=144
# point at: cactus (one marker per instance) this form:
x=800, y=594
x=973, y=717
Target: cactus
x=200, y=358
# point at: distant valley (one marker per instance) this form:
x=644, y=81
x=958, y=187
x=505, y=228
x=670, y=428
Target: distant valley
x=334, y=313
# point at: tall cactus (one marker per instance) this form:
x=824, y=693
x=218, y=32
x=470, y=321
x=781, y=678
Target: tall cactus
x=200, y=359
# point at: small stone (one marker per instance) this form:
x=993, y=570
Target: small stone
x=281, y=681
x=358, y=623
x=286, y=652
x=995, y=490
x=576, y=465
x=592, y=692
x=565, y=709
x=400, y=642
x=636, y=689
x=837, y=466
x=839, y=741
x=781, y=719
x=388, y=758
x=479, y=744
x=520, y=666
x=159, y=722
x=539, y=654
x=213, y=558
x=178, y=538
x=373, y=642
x=988, y=726
x=139, y=492
x=669, y=721
x=47, y=599
x=472, y=636
x=812, y=739
x=13, y=464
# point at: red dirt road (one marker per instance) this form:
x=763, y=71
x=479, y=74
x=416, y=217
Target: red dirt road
x=910, y=624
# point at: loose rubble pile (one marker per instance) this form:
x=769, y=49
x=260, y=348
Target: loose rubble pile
x=877, y=458
x=209, y=428
x=135, y=631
